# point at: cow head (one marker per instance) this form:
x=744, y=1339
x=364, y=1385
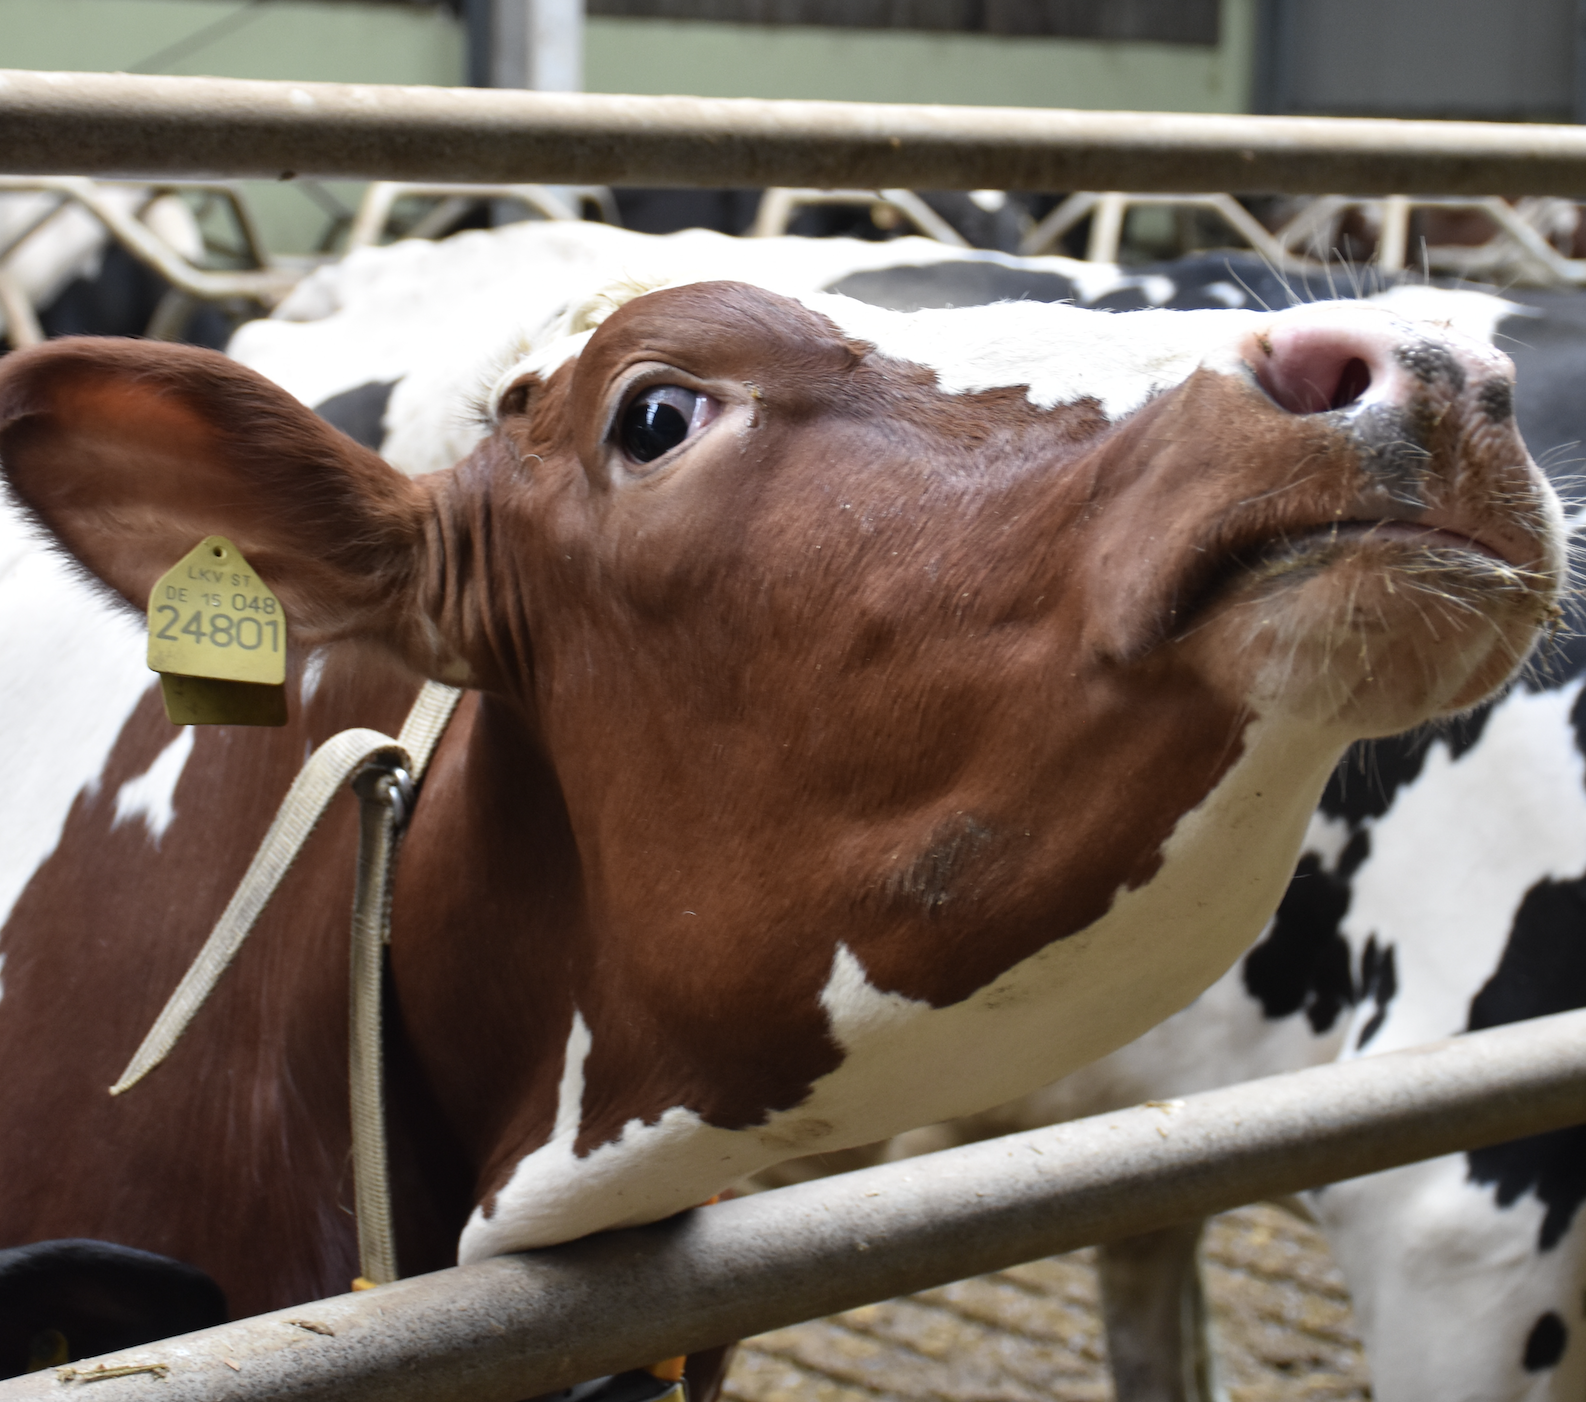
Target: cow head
x=906, y=683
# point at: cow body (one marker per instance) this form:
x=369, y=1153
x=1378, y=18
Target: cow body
x=953, y=682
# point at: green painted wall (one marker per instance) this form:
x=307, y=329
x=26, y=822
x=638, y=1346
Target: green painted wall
x=409, y=44
x=282, y=39
x=730, y=60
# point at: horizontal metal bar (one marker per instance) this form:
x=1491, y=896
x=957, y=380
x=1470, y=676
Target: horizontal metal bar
x=116, y=124
x=520, y=1325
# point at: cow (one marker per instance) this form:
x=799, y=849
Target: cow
x=848, y=690
x=1325, y=979
x=1435, y=894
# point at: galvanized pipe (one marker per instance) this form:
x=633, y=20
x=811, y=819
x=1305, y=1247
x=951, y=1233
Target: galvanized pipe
x=116, y=124
x=520, y=1325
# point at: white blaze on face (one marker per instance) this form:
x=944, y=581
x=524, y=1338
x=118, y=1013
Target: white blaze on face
x=1063, y=353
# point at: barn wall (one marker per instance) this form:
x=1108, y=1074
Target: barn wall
x=745, y=60
x=1153, y=21
x=1501, y=60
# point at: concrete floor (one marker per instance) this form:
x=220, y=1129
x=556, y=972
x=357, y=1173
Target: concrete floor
x=1033, y=1334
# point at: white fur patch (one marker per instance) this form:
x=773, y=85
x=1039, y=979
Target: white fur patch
x=151, y=795
x=570, y=1093
x=1473, y=314
x=73, y=647
x=857, y=1011
x=1447, y=1285
x=484, y=297
x=313, y=673
x=1062, y=353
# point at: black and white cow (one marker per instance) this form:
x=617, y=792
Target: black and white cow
x=1443, y=885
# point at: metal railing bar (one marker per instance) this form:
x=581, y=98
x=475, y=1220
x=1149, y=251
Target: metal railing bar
x=144, y=126
x=516, y=1326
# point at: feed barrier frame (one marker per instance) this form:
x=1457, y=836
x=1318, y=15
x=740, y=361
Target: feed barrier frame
x=144, y=126
x=516, y=1326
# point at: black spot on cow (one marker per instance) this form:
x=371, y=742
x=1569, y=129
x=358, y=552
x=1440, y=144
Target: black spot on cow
x=1303, y=963
x=1545, y=1344
x=1543, y=968
x=121, y=298
x=360, y=412
x=1000, y=227
x=1370, y=776
x=665, y=211
x=1379, y=982
x=62, y=1300
x=966, y=284
x=1542, y=971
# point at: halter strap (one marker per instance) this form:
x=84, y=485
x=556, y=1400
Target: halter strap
x=386, y=771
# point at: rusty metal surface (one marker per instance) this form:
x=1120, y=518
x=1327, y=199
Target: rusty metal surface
x=1281, y=1316
x=143, y=125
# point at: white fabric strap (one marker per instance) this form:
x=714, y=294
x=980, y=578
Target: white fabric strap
x=319, y=781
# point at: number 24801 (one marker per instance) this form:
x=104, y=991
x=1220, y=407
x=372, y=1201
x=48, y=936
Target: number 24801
x=223, y=631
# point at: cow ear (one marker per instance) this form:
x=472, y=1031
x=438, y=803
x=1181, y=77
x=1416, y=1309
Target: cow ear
x=130, y=452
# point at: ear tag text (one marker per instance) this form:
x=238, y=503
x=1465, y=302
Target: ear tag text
x=217, y=637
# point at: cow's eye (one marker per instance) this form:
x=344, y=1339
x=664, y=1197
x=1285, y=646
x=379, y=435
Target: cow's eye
x=662, y=417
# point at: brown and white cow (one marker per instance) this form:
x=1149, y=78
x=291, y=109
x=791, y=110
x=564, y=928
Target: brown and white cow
x=873, y=716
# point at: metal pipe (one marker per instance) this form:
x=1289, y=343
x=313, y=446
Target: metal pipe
x=556, y=45
x=521, y=1325
x=148, y=126
x=264, y=285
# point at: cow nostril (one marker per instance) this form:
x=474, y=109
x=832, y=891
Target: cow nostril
x=1353, y=381
x=1307, y=373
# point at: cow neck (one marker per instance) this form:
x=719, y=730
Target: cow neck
x=384, y=773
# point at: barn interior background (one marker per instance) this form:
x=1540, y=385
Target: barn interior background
x=72, y=258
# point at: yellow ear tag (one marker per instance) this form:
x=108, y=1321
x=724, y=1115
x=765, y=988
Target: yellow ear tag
x=217, y=637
